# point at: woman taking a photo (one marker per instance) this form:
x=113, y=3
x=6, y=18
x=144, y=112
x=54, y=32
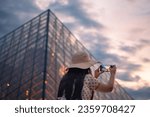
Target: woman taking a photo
x=79, y=83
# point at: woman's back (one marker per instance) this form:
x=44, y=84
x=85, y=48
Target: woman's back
x=72, y=83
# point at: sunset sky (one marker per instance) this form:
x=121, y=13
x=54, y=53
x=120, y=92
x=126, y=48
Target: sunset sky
x=115, y=32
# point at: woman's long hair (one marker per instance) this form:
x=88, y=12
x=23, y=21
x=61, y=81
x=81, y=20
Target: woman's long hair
x=72, y=83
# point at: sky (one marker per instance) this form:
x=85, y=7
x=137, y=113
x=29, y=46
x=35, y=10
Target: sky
x=114, y=31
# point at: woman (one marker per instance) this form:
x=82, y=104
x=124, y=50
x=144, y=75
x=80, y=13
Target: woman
x=79, y=83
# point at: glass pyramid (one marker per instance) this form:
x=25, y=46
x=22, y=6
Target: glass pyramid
x=33, y=58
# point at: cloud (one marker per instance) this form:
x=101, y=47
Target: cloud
x=132, y=49
x=5, y=24
x=140, y=94
x=14, y=13
x=132, y=66
x=145, y=41
x=131, y=1
x=146, y=13
x=126, y=76
x=74, y=9
x=129, y=49
x=146, y=60
x=43, y=4
x=99, y=46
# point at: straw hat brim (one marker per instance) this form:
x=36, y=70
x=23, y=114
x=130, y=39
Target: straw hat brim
x=83, y=65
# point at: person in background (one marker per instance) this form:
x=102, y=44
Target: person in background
x=79, y=83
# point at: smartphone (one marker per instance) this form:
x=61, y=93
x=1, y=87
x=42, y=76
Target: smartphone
x=105, y=68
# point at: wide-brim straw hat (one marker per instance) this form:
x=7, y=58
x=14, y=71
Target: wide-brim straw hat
x=81, y=60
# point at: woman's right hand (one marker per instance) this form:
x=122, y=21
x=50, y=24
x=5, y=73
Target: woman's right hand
x=113, y=70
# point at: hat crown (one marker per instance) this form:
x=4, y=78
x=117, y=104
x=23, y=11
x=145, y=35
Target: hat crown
x=81, y=60
x=80, y=57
